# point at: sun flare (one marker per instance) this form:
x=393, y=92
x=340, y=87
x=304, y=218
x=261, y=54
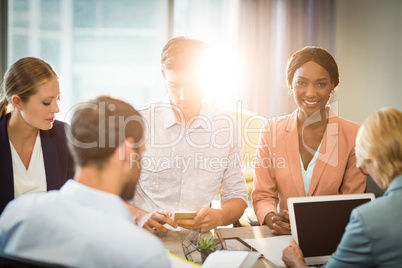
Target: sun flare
x=220, y=71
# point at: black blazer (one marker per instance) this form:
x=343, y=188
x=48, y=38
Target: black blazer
x=59, y=166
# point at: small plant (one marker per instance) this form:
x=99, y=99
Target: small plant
x=207, y=243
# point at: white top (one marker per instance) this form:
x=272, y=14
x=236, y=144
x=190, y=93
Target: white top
x=78, y=226
x=307, y=174
x=33, y=179
x=184, y=170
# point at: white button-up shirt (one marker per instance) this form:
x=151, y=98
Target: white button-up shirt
x=77, y=226
x=184, y=170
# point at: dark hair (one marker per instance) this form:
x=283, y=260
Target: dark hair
x=22, y=79
x=99, y=127
x=182, y=53
x=316, y=54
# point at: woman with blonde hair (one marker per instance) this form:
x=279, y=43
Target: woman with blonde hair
x=373, y=236
x=33, y=147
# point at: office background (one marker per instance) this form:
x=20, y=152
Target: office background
x=113, y=47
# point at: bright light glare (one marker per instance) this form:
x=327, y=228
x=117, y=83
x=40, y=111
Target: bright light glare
x=221, y=77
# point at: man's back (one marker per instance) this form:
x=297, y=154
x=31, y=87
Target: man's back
x=78, y=226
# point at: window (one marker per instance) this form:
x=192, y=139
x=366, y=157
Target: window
x=96, y=46
x=113, y=47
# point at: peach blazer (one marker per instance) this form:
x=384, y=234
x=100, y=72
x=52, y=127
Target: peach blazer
x=278, y=170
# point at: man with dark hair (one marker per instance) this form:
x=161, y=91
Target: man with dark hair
x=86, y=223
x=193, y=149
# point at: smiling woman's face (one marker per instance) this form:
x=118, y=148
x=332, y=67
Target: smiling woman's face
x=311, y=87
x=40, y=109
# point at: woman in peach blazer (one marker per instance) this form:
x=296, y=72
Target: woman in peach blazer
x=310, y=152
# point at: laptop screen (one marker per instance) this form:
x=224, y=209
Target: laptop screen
x=320, y=221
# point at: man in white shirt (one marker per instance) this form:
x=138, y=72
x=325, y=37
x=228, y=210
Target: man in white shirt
x=87, y=223
x=193, y=150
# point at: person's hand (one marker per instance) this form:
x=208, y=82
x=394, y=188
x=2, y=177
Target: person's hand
x=279, y=223
x=292, y=256
x=155, y=220
x=206, y=219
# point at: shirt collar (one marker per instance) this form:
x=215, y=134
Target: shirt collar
x=204, y=118
x=396, y=184
x=169, y=118
x=99, y=200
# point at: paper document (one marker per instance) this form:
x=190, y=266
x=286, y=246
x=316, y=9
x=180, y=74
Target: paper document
x=271, y=247
x=231, y=259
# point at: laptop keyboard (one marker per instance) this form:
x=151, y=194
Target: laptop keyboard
x=317, y=264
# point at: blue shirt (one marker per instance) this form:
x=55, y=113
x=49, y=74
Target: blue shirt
x=373, y=236
x=78, y=226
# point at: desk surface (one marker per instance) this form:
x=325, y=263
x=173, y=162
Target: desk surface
x=172, y=240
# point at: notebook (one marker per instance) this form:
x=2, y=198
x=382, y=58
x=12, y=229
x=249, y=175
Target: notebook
x=318, y=222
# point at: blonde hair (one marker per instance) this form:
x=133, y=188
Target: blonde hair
x=22, y=79
x=380, y=140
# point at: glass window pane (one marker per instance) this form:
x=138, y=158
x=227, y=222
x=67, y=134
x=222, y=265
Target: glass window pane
x=84, y=13
x=50, y=14
x=20, y=5
x=50, y=49
x=20, y=45
x=137, y=14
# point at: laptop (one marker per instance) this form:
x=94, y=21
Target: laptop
x=318, y=222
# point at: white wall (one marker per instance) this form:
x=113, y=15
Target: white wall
x=368, y=50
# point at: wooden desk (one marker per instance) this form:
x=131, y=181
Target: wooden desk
x=172, y=240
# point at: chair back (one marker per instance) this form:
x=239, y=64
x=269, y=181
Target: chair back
x=250, y=125
x=8, y=261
